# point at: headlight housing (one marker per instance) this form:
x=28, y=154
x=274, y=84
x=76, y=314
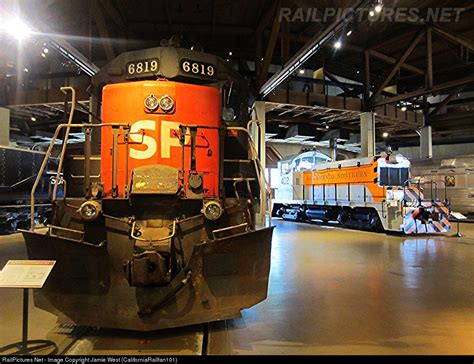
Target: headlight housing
x=151, y=102
x=212, y=210
x=166, y=103
x=90, y=210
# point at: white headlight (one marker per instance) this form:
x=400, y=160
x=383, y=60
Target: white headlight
x=151, y=102
x=166, y=103
x=90, y=210
x=212, y=210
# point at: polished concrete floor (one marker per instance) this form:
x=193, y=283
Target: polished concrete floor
x=352, y=292
x=332, y=291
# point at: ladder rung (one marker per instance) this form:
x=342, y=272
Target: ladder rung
x=239, y=179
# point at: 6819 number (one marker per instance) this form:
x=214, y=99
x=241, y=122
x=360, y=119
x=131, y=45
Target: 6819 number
x=198, y=68
x=141, y=67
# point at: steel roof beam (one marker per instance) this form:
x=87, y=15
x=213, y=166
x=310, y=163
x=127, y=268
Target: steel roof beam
x=311, y=48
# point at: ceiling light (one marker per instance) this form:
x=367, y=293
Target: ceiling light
x=349, y=33
x=301, y=71
x=358, y=72
x=385, y=135
x=46, y=50
x=404, y=108
x=33, y=118
x=378, y=8
x=43, y=55
x=230, y=53
x=17, y=29
x=327, y=126
x=26, y=69
x=337, y=45
x=371, y=13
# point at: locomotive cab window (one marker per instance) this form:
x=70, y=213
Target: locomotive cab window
x=232, y=100
x=305, y=164
x=393, y=176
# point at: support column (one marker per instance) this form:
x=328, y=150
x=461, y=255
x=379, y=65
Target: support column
x=426, y=143
x=333, y=147
x=367, y=134
x=258, y=137
x=4, y=126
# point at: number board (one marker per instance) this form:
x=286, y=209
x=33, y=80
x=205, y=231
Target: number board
x=143, y=68
x=199, y=69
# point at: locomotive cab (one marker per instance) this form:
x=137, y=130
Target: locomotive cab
x=160, y=232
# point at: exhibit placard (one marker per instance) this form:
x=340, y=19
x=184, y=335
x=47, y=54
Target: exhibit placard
x=458, y=215
x=25, y=273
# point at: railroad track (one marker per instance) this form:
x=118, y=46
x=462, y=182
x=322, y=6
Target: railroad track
x=192, y=340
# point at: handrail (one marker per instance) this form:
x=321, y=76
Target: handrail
x=260, y=172
x=66, y=135
x=48, y=154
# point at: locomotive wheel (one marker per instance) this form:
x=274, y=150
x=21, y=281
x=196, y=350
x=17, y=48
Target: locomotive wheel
x=374, y=221
x=344, y=217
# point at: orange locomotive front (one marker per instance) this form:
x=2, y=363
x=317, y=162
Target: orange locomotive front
x=155, y=110
x=157, y=227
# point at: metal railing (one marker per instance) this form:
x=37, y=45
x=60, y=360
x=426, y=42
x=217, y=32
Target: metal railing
x=260, y=171
x=48, y=153
x=58, y=173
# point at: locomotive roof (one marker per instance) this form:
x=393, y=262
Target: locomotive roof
x=307, y=153
x=169, y=65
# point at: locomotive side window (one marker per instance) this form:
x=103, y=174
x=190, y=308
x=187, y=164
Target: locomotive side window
x=232, y=100
x=393, y=176
x=285, y=168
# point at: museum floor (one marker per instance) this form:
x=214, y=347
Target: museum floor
x=332, y=291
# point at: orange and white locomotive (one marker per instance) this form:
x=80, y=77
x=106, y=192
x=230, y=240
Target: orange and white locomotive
x=374, y=193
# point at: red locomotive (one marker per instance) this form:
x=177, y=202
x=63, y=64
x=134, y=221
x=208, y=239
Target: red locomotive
x=156, y=225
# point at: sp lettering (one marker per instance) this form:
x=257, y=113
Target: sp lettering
x=143, y=132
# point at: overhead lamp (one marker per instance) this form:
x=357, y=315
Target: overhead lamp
x=385, y=134
x=404, y=108
x=378, y=8
x=43, y=54
x=301, y=71
x=338, y=44
x=45, y=50
x=17, y=29
x=33, y=118
x=371, y=13
x=26, y=69
x=230, y=53
x=349, y=33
